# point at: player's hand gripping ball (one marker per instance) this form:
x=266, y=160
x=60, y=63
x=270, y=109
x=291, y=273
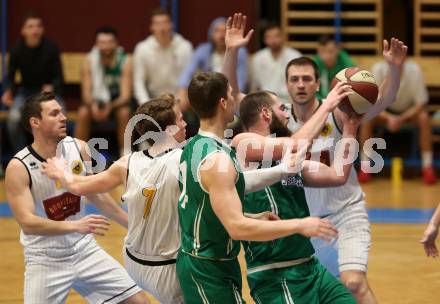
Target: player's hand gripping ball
x=364, y=89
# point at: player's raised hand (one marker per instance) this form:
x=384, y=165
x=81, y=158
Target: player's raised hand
x=394, y=52
x=337, y=94
x=428, y=241
x=316, y=227
x=96, y=224
x=235, y=31
x=55, y=168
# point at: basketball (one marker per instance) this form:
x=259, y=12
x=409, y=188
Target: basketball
x=364, y=88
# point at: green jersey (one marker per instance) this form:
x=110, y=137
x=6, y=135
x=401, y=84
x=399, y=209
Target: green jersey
x=343, y=61
x=112, y=74
x=286, y=199
x=203, y=235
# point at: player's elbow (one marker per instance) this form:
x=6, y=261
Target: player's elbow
x=76, y=190
x=340, y=180
x=235, y=235
x=27, y=230
x=237, y=231
x=27, y=226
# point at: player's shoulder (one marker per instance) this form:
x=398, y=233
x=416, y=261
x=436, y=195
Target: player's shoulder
x=79, y=144
x=17, y=171
x=176, y=152
x=22, y=154
x=15, y=163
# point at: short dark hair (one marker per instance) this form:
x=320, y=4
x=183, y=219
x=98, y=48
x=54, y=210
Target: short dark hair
x=32, y=107
x=161, y=110
x=301, y=61
x=30, y=15
x=159, y=12
x=326, y=39
x=251, y=106
x=271, y=26
x=205, y=91
x=106, y=30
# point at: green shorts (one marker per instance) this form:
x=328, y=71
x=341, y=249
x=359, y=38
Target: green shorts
x=307, y=283
x=207, y=281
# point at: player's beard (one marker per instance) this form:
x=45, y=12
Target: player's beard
x=277, y=127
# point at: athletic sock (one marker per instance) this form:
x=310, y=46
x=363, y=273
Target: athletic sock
x=426, y=159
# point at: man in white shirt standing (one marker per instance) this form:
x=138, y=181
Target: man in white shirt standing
x=159, y=59
x=268, y=64
x=408, y=108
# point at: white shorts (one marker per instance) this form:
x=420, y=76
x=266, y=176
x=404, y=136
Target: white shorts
x=87, y=268
x=350, y=251
x=160, y=281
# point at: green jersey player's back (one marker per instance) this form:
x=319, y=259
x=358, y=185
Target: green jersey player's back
x=203, y=235
x=286, y=199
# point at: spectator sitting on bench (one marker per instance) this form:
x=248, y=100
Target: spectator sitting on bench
x=269, y=63
x=38, y=61
x=106, y=83
x=409, y=108
x=159, y=59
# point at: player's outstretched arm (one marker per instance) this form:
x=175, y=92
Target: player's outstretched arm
x=56, y=169
x=430, y=235
x=264, y=216
x=395, y=54
x=227, y=206
x=104, y=201
x=107, y=205
x=258, y=179
x=254, y=147
x=235, y=38
x=20, y=200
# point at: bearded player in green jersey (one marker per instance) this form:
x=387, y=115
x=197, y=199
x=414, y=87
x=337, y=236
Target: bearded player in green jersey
x=210, y=205
x=284, y=270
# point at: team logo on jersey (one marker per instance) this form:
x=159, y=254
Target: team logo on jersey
x=58, y=184
x=60, y=207
x=77, y=167
x=33, y=165
x=326, y=130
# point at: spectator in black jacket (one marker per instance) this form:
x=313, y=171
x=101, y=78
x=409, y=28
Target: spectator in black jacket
x=38, y=61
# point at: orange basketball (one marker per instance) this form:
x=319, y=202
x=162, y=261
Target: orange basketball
x=364, y=88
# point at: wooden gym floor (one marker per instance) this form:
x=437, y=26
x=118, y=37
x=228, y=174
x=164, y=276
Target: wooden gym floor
x=399, y=272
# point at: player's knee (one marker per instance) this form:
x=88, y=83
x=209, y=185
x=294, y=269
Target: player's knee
x=423, y=118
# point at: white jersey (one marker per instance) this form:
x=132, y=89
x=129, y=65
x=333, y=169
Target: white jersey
x=152, y=194
x=50, y=200
x=326, y=201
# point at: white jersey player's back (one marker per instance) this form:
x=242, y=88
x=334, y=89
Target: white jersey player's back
x=326, y=201
x=50, y=200
x=152, y=194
